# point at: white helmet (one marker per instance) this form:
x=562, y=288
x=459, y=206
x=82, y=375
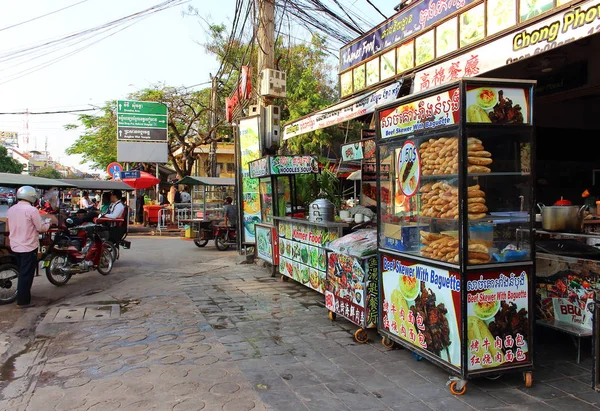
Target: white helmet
x=27, y=193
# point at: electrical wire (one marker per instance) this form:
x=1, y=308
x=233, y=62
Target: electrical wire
x=48, y=112
x=42, y=16
x=378, y=11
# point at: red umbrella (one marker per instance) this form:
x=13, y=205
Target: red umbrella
x=146, y=180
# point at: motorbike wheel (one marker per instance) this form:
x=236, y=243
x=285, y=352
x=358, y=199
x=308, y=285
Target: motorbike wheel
x=200, y=243
x=114, y=249
x=221, y=242
x=53, y=273
x=106, y=262
x=9, y=278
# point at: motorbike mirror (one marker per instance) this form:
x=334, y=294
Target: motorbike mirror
x=69, y=221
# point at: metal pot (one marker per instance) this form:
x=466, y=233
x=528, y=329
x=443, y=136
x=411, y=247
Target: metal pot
x=562, y=218
x=321, y=210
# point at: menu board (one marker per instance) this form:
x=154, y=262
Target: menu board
x=446, y=35
x=472, y=25
x=364, y=149
x=373, y=71
x=346, y=83
x=501, y=14
x=388, y=64
x=424, y=48
x=303, y=256
x=406, y=57
x=531, y=8
x=359, y=77
x=498, y=324
x=352, y=288
x=410, y=293
x=249, y=151
x=281, y=165
x=267, y=243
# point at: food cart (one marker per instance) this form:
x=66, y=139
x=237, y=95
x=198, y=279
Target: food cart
x=455, y=284
x=277, y=194
x=206, y=205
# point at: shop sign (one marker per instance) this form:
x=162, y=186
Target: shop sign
x=394, y=30
x=498, y=319
x=372, y=296
x=557, y=30
x=344, y=111
x=312, y=256
x=568, y=312
x=259, y=168
x=368, y=171
x=425, y=114
x=363, y=149
x=498, y=105
x=294, y=165
x=249, y=151
x=408, y=290
x=240, y=94
x=267, y=244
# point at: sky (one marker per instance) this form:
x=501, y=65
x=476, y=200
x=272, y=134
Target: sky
x=162, y=48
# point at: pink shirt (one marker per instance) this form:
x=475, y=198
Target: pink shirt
x=24, y=225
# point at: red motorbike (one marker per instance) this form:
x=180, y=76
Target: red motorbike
x=78, y=249
x=225, y=237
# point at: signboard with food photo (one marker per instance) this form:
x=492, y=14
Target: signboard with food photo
x=498, y=105
x=498, y=327
x=249, y=151
x=425, y=114
x=421, y=305
x=267, y=243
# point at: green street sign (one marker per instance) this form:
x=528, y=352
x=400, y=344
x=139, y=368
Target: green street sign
x=140, y=107
x=143, y=120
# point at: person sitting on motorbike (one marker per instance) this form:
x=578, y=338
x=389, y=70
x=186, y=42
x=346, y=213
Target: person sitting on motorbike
x=84, y=201
x=105, y=202
x=230, y=212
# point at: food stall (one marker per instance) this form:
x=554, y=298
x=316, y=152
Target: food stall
x=277, y=194
x=206, y=205
x=351, y=287
x=455, y=282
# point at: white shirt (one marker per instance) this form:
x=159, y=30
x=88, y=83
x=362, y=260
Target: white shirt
x=84, y=203
x=185, y=197
x=115, y=210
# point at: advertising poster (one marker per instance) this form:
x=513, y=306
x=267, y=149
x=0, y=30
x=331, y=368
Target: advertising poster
x=428, y=113
x=498, y=319
x=566, y=27
x=421, y=305
x=359, y=150
x=352, y=288
x=249, y=151
x=498, y=105
x=267, y=244
x=259, y=168
x=409, y=165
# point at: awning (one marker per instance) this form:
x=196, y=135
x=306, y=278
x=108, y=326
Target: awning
x=346, y=110
x=97, y=184
x=207, y=181
x=18, y=180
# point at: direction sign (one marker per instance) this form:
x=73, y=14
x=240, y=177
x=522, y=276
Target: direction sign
x=130, y=174
x=114, y=169
x=141, y=121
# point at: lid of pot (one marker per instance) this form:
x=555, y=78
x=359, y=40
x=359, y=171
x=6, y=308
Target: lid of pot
x=563, y=202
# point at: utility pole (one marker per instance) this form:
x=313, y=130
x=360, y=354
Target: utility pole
x=266, y=42
x=212, y=154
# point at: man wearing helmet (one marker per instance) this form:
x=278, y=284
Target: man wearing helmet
x=25, y=225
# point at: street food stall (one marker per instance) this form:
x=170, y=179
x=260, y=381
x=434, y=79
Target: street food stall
x=277, y=196
x=206, y=206
x=455, y=280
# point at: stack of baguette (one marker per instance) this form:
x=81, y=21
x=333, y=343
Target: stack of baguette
x=440, y=200
x=440, y=156
x=445, y=248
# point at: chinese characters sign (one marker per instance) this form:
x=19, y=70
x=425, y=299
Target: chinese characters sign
x=409, y=291
x=428, y=113
x=498, y=319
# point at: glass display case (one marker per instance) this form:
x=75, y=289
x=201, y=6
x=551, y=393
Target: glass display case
x=460, y=189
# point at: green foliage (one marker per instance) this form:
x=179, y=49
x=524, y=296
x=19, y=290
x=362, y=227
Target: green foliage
x=98, y=143
x=327, y=183
x=9, y=164
x=47, y=172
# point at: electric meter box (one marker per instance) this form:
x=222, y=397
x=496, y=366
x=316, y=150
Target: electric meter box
x=272, y=83
x=272, y=126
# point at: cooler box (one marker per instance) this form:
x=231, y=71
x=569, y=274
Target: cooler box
x=152, y=213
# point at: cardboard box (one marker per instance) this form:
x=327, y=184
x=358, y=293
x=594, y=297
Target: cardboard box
x=403, y=238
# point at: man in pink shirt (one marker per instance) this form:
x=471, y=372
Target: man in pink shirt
x=25, y=225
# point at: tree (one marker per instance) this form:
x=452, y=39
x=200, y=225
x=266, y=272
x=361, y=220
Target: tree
x=9, y=164
x=47, y=172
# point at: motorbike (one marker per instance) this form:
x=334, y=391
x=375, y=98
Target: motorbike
x=225, y=237
x=77, y=249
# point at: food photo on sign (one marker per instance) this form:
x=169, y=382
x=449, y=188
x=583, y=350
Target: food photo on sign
x=421, y=305
x=497, y=105
x=498, y=319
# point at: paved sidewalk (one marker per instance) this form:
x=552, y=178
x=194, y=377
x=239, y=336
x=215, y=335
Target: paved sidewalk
x=221, y=336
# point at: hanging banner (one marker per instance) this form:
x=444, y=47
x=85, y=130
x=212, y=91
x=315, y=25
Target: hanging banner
x=249, y=151
x=394, y=30
x=557, y=30
x=347, y=110
x=359, y=150
x=428, y=113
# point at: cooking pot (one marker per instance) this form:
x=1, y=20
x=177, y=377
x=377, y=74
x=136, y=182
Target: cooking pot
x=321, y=210
x=566, y=218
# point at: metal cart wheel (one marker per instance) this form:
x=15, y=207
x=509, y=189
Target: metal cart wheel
x=331, y=315
x=361, y=336
x=417, y=357
x=528, y=377
x=387, y=343
x=458, y=387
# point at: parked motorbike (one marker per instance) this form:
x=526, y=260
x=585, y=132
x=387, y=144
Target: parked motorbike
x=78, y=249
x=225, y=237
x=9, y=277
